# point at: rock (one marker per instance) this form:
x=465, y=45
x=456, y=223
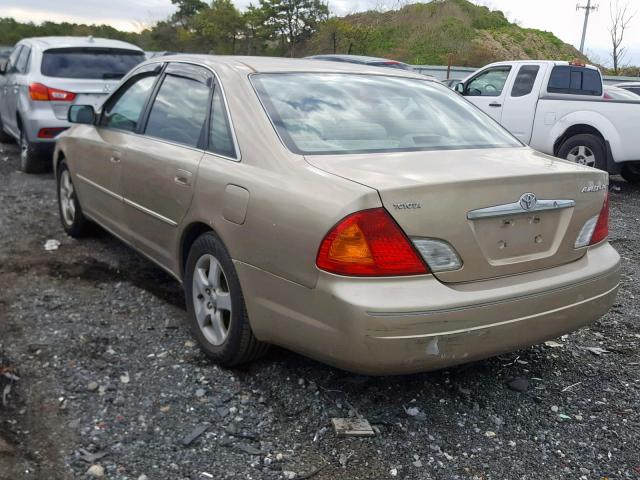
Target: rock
x=200, y=392
x=554, y=409
x=51, y=245
x=124, y=378
x=143, y=477
x=96, y=471
x=393, y=472
x=5, y=447
x=171, y=323
x=92, y=386
x=519, y=384
x=489, y=434
x=288, y=475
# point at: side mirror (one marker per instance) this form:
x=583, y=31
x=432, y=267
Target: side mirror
x=459, y=88
x=81, y=114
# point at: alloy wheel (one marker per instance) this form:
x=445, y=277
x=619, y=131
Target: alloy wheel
x=583, y=155
x=67, y=203
x=211, y=299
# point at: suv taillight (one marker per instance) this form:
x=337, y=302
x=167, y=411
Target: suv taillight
x=369, y=243
x=42, y=93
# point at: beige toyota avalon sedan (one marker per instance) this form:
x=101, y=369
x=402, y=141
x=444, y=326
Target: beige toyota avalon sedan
x=369, y=218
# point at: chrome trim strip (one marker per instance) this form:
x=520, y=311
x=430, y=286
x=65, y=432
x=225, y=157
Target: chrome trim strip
x=150, y=212
x=99, y=187
x=515, y=209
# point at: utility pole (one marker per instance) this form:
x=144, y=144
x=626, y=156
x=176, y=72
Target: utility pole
x=587, y=10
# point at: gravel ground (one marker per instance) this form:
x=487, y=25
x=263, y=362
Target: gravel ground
x=103, y=378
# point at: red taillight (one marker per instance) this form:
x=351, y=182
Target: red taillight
x=42, y=93
x=602, y=226
x=369, y=243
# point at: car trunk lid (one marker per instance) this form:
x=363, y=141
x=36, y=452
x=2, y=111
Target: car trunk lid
x=471, y=199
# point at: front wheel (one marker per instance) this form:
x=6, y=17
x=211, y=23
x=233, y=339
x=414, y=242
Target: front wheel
x=71, y=217
x=585, y=149
x=215, y=305
x=631, y=172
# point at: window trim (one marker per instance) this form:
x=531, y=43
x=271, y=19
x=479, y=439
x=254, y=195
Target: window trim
x=506, y=68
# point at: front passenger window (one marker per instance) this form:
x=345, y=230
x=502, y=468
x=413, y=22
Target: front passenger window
x=125, y=112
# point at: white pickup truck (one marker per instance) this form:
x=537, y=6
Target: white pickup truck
x=559, y=108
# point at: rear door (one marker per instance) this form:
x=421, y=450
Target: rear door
x=487, y=90
x=100, y=150
x=160, y=167
x=519, y=109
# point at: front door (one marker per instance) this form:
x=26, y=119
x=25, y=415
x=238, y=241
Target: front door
x=487, y=90
x=101, y=151
x=8, y=99
x=161, y=166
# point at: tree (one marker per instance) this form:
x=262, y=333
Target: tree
x=621, y=16
x=218, y=27
x=293, y=20
x=187, y=9
x=253, y=30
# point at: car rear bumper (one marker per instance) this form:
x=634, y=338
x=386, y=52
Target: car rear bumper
x=38, y=119
x=404, y=325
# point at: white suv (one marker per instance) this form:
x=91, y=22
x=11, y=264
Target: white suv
x=44, y=76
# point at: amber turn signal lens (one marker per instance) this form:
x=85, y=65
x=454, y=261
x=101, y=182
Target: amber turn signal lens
x=369, y=243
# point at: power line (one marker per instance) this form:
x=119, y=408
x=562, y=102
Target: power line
x=587, y=10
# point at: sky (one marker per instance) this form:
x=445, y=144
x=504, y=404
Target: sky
x=557, y=16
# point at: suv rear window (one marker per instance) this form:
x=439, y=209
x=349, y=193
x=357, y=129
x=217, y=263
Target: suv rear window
x=575, y=81
x=91, y=63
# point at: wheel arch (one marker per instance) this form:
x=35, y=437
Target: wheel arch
x=576, y=130
x=189, y=236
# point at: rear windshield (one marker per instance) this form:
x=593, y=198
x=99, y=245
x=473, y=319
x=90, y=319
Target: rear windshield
x=91, y=63
x=575, y=81
x=328, y=113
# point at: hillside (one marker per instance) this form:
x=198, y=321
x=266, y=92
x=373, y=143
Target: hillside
x=426, y=33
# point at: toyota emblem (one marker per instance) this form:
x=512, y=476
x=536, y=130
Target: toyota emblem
x=528, y=201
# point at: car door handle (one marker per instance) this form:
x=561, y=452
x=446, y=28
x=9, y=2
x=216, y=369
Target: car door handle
x=183, y=177
x=495, y=104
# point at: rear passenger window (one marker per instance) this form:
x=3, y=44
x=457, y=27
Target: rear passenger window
x=22, y=64
x=220, y=136
x=179, y=110
x=575, y=81
x=525, y=79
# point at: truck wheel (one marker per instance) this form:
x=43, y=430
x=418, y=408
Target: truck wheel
x=631, y=172
x=585, y=149
x=215, y=305
x=31, y=158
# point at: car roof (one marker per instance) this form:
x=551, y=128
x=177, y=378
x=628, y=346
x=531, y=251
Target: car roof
x=353, y=58
x=45, y=43
x=282, y=65
x=550, y=62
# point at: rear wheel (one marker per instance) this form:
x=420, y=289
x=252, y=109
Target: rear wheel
x=215, y=305
x=631, y=172
x=585, y=149
x=71, y=217
x=31, y=158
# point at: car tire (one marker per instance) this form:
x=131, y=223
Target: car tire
x=215, y=305
x=585, y=149
x=73, y=220
x=631, y=172
x=31, y=158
